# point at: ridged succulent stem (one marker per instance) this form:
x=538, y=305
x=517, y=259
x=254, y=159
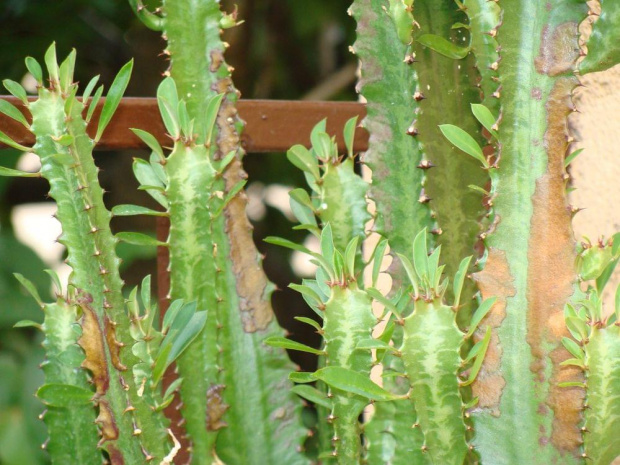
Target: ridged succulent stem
x=523, y=416
x=235, y=391
x=389, y=83
x=127, y=434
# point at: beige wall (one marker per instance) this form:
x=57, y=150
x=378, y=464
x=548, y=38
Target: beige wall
x=596, y=172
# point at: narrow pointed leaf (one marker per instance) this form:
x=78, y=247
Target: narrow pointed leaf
x=285, y=343
x=353, y=382
x=463, y=141
x=443, y=46
x=313, y=395
x=115, y=94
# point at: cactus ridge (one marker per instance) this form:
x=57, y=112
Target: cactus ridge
x=65, y=151
x=431, y=352
x=602, y=45
x=528, y=179
x=390, y=85
x=595, y=347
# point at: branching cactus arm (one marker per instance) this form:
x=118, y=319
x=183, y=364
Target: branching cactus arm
x=456, y=208
x=431, y=352
x=595, y=347
x=389, y=84
x=130, y=431
x=70, y=413
x=234, y=409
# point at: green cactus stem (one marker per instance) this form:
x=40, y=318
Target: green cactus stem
x=389, y=83
x=484, y=20
x=522, y=415
x=130, y=431
x=234, y=409
x=70, y=413
x=431, y=353
x=457, y=209
x=347, y=327
x=603, y=48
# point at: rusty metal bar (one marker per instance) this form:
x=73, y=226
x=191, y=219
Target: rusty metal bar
x=272, y=125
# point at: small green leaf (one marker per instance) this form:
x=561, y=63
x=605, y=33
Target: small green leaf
x=370, y=343
x=65, y=73
x=9, y=172
x=349, y=257
x=309, y=321
x=147, y=177
x=64, y=395
x=56, y=280
x=186, y=335
x=479, y=315
x=12, y=112
x=139, y=239
x=301, y=157
x=16, y=90
x=377, y=260
x=229, y=196
x=318, y=128
x=132, y=210
x=323, y=146
x=171, y=314
x=420, y=257
x=349, y=134
x=65, y=140
x=458, y=25
x=572, y=157
x=387, y=303
x=89, y=89
x=30, y=287
x=459, y=280
x=34, y=68
x=306, y=291
x=302, y=377
x=572, y=384
x=27, y=324
x=443, y=46
x=93, y=103
x=313, y=395
x=51, y=62
x=410, y=272
x=224, y=162
x=573, y=348
x=285, y=343
x=475, y=369
x=150, y=141
x=115, y=94
x=327, y=244
x=463, y=141
x=211, y=110
x=573, y=362
x=11, y=143
x=479, y=189
x=353, y=382
x=486, y=118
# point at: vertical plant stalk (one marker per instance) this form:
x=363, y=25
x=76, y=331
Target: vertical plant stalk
x=237, y=404
x=431, y=352
x=72, y=430
x=338, y=199
x=130, y=431
x=389, y=84
x=456, y=208
x=523, y=415
x=484, y=20
x=595, y=346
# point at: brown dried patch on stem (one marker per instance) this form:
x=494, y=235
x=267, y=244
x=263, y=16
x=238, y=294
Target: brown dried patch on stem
x=251, y=282
x=558, y=50
x=494, y=281
x=551, y=274
x=105, y=420
x=113, y=345
x=216, y=408
x=91, y=341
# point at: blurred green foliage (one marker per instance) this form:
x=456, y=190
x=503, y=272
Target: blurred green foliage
x=284, y=50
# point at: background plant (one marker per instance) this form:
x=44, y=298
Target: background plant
x=526, y=232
